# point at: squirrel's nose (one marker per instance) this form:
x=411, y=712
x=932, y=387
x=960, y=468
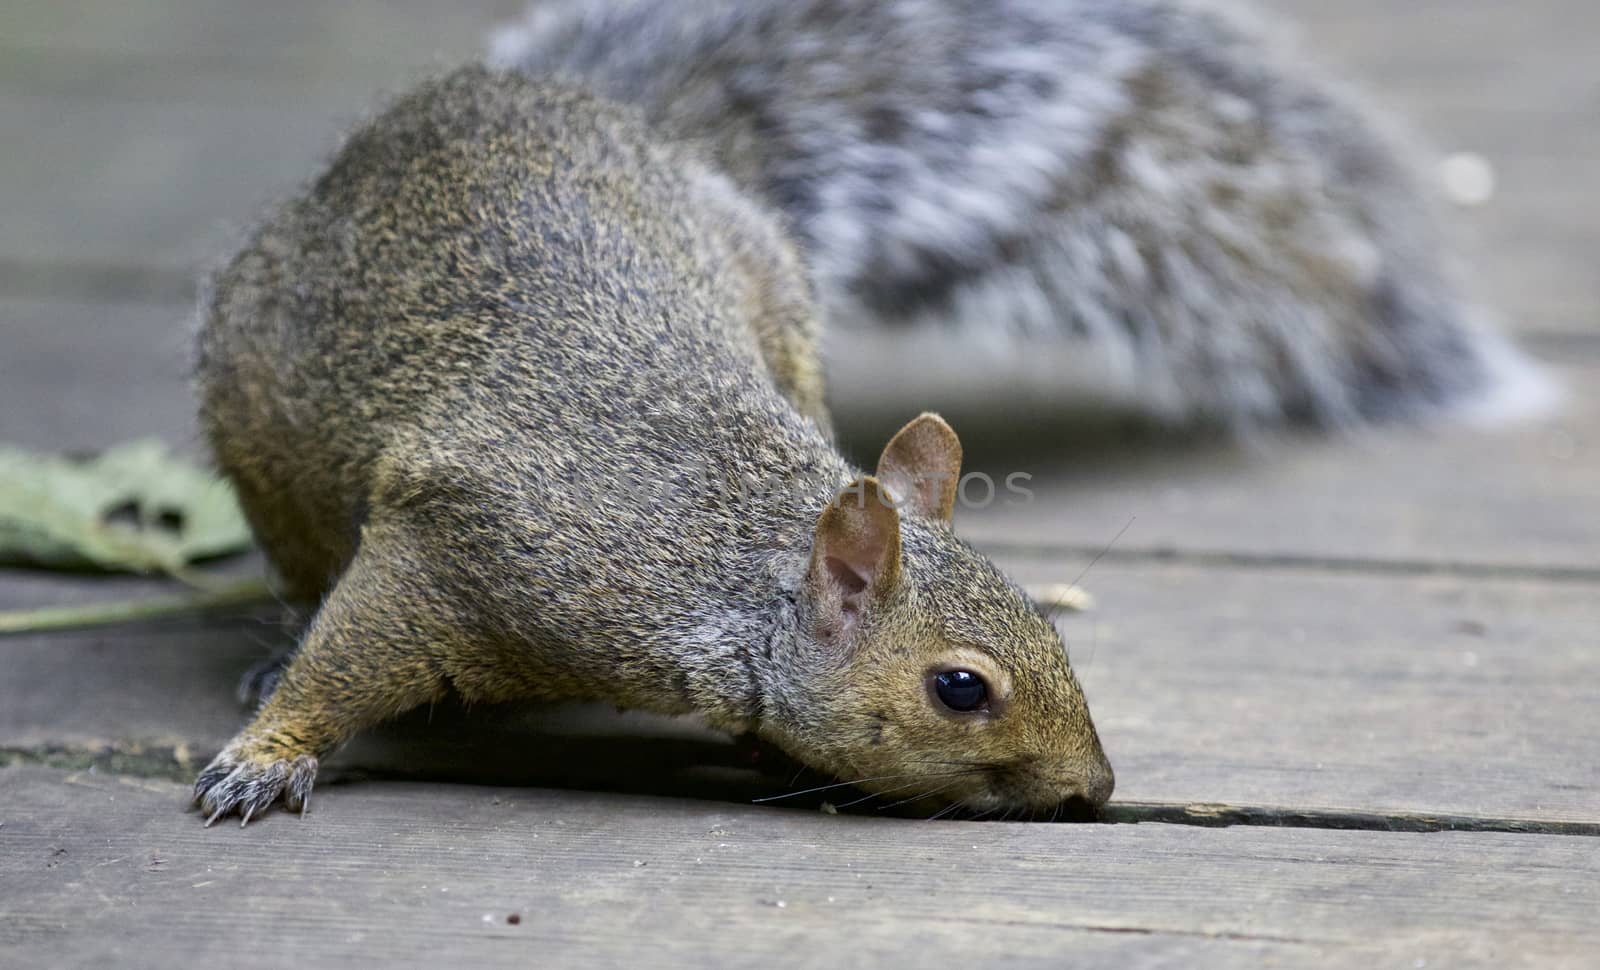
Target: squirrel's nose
x=1084, y=795
x=1097, y=787
x=1093, y=786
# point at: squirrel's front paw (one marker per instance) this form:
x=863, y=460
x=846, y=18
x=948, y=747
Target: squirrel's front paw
x=249, y=776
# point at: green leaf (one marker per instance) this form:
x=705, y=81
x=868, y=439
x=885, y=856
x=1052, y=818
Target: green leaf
x=135, y=508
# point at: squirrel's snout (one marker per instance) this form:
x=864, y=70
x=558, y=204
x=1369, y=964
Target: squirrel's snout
x=1097, y=787
x=1091, y=786
x=1078, y=789
x=1084, y=804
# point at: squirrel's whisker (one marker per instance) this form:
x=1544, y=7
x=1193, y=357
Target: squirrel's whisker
x=843, y=784
x=870, y=796
x=837, y=784
x=917, y=798
x=899, y=788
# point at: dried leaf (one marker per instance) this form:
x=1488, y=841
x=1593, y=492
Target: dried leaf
x=134, y=508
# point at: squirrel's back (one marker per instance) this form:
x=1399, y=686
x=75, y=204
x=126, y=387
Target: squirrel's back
x=500, y=262
x=1233, y=237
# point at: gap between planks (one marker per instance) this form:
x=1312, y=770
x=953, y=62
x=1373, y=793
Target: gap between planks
x=1210, y=815
x=1169, y=555
x=168, y=763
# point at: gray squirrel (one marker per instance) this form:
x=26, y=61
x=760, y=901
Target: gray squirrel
x=1231, y=239
x=527, y=401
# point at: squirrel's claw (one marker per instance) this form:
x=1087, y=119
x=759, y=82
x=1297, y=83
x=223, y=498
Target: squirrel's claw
x=248, y=783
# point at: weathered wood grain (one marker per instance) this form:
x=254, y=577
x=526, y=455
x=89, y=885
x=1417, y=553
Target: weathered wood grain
x=1523, y=498
x=1463, y=74
x=1287, y=687
x=1421, y=45
x=125, y=148
x=100, y=870
x=82, y=375
x=164, y=185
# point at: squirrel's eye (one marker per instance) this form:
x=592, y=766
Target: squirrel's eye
x=961, y=690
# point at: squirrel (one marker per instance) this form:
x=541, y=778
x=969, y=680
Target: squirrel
x=528, y=398
x=1161, y=185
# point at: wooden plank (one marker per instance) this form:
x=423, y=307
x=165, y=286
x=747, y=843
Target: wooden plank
x=399, y=874
x=330, y=84
x=81, y=375
x=1461, y=74
x=1424, y=41
x=1530, y=247
x=1244, y=686
x=167, y=687
x=169, y=186
x=149, y=133
x=397, y=31
x=1521, y=497
x=1310, y=688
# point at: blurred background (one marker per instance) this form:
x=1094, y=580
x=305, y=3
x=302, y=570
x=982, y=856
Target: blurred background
x=140, y=136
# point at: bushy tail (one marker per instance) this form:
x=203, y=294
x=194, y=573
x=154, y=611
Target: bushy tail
x=1159, y=191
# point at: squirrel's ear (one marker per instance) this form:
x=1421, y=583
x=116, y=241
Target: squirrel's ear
x=921, y=465
x=855, y=555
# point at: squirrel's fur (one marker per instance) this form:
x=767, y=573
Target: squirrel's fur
x=1232, y=237
x=529, y=399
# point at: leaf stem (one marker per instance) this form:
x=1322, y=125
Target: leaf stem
x=250, y=592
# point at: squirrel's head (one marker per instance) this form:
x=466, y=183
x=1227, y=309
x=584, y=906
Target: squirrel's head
x=922, y=673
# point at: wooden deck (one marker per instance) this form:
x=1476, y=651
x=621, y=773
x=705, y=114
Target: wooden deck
x=1351, y=690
